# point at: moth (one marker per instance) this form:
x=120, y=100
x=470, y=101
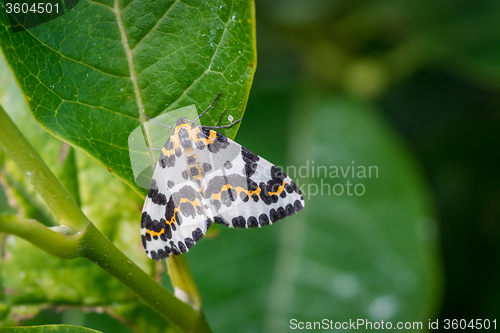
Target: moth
x=203, y=177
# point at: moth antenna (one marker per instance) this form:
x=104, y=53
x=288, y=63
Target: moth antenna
x=216, y=98
x=154, y=121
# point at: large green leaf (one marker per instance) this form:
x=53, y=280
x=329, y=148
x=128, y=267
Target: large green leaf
x=88, y=74
x=371, y=256
x=49, y=329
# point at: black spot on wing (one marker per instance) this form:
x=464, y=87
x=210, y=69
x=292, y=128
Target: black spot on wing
x=184, y=139
x=167, y=162
x=281, y=213
x=170, y=209
x=189, y=242
x=197, y=234
x=162, y=254
x=248, y=156
x=250, y=160
x=250, y=168
x=263, y=219
x=146, y=221
x=220, y=220
x=169, y=144
x=208, y=223
x=182, y=247
x=252, y=222
x=188, y=192
x=273, y=214
x=156, y=196
x=167, y=234
x=297, y=205
x=188, y=209
x=194, y=171
x=174, y=249
x=220, y=141
x=164, y=161
x=239, y=222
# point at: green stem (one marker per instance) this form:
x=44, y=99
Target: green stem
x=181, y=278
x=53, y=242
x=64, y=208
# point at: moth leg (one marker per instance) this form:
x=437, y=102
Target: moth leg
x=225, y=126
x=220, y=118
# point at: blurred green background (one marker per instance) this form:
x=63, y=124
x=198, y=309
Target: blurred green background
x=429, y=71
x=410, y=87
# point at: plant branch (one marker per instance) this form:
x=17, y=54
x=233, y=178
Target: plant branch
x=183, y=281
x=51, y=241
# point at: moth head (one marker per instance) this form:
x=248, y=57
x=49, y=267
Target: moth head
x=181, y=120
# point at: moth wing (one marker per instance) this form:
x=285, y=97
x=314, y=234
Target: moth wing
x=174, y=217
x=244, y=190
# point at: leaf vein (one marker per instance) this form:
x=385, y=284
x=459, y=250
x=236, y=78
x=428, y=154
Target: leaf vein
x=74, y=60
x=211, y=62
x=156, y=25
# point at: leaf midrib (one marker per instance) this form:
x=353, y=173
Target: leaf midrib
x=133, y=79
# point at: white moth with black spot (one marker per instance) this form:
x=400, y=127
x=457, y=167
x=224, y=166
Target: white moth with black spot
x=203, y=177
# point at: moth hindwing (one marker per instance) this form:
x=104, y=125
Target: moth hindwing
x=203, y=177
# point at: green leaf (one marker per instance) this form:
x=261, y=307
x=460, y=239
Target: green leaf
x=88, y=74
x=370, y=256
x=49, y=329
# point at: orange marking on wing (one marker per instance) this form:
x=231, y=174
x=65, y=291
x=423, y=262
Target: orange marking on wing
x=239, y=189
x=154, y=233
x=280, y=189
x=211, y=138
